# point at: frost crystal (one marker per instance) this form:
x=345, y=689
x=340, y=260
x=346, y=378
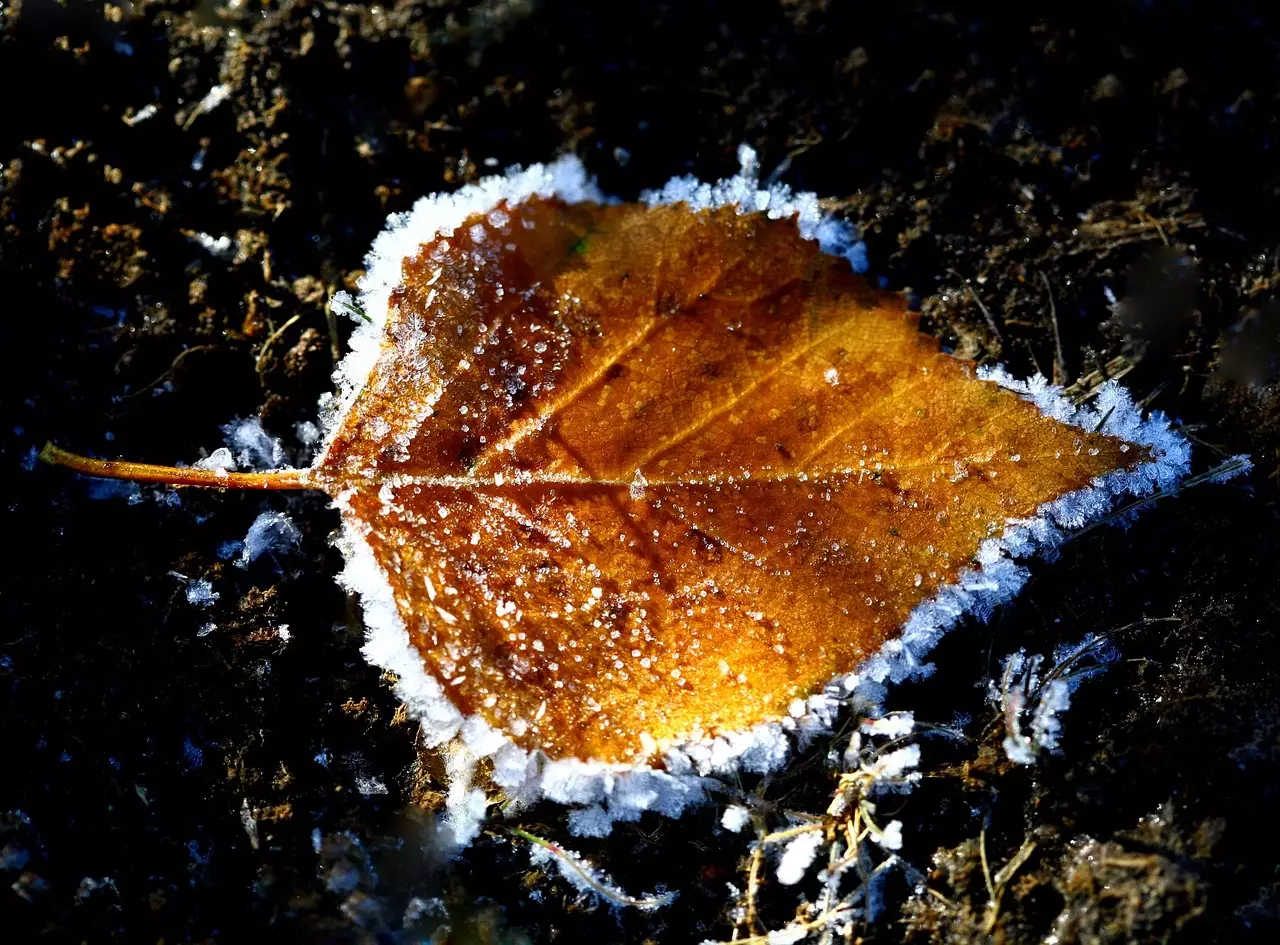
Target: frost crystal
x=252, y=446
x=214, y=97
x=219, y=459
x=368, y=785
x=270, y=532
x=638, y=483
x=465, y=806
x=591, y=882
x=895, y=764
x=891, y=836
x=201, y=593
x=1238, y=465
x=890, y=726
x=788, y=935
x=249, y=820
x=223, y=247
x=1033, y=706
x=735, y=818
x=798, y=856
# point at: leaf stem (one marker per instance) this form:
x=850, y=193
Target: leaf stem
x=177, y=475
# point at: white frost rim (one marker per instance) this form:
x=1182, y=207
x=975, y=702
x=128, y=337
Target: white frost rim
x=602, y=793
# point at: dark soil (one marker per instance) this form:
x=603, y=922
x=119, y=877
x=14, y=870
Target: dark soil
x=163, y=783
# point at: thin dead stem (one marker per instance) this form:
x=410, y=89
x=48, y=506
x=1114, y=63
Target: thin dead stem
x=1224, y=470
x=1059, y=362
x=271, y=339
x=996, y=885
x=588, y=879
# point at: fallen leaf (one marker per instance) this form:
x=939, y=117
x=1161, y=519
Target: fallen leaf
x=632, y=477
x=649, y=474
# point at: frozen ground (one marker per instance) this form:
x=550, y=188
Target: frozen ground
x=197, y=750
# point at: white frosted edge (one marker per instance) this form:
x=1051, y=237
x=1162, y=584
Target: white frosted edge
x=432, y=216
x=604, y=793
x=777, y=202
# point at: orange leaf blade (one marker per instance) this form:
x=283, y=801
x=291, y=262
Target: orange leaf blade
x=640, y=476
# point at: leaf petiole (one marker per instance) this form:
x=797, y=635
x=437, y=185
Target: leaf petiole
x=177, y=475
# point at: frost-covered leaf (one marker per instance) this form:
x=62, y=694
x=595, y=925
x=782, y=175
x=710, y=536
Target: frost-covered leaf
x=642, y=474
x=645, y=483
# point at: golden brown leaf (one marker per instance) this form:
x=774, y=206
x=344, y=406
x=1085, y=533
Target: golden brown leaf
x=640, y=475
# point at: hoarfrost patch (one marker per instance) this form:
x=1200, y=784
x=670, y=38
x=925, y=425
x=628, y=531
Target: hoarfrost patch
x=220, y=459
x=735, y=817
x=798, y=856
x=200, y=593
x=252, y=446
x=1032, y=705
x=592, y=883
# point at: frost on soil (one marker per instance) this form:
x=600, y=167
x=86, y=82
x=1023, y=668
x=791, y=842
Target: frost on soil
x=847, y=852
x=271, y=532
x=201, y=593
x=592, y=883
x=1033, y=699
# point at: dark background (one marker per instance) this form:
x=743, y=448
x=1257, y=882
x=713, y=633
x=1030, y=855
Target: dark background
x=1037, y=165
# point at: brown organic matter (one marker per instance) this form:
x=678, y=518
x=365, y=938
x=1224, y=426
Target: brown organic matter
x=641, y=475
